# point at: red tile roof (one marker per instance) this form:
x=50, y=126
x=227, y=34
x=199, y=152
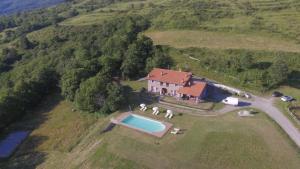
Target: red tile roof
x=169, y=76
x=195, y=89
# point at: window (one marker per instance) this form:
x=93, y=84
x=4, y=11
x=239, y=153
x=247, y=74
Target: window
x=167, y=84
x=161, y=83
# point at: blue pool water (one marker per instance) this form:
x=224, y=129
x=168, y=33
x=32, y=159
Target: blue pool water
x=143, y=123
x=11, y=142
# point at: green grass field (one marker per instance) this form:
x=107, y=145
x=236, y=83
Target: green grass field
x=65, y=139
x=90, y=18
x=135, y=85
x=218, y=40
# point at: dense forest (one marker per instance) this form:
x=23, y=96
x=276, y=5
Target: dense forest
x=82, y=62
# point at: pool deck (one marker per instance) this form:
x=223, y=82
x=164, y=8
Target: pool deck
x=118, y=120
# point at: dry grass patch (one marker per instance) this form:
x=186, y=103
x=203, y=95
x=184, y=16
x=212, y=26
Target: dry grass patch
x=56, y=131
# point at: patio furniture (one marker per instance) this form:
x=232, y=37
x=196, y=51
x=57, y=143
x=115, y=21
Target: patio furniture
x=174, y=132
x=143, y=107
x=169, y=114
x=155, y=111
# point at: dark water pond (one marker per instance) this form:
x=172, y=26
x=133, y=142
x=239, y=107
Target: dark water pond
x=9, y=144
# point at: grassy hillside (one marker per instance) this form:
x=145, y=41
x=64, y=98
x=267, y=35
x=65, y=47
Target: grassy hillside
x=278, y=17
x=267, y=29
x=225, y=142
x=12, y=6
x=218, y=40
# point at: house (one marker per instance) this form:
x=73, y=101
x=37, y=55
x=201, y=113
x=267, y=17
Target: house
x=176, y=83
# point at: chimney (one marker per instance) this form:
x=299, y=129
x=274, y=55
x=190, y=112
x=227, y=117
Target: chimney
x=161, y=73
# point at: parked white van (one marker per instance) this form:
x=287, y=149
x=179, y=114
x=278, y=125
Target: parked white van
x=231, y=101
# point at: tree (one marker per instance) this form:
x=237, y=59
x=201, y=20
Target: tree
x=72, y=13
x=3, y=67
x=91, y=94
x=136, y=56
x=10, y=55
x=110, y=65
x=159, y=60
x=115, y=98
x=24, y=42
x=278, y=72
x=71, y=80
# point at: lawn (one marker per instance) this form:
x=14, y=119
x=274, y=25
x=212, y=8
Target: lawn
x=62, y=138
x=219, y=40
x=135, y=85
x=226, y=142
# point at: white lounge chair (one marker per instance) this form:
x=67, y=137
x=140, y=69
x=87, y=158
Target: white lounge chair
x=169, y=112
x=157, y=112
x=176, y=129
x=142, y=106
x=144, y=109
x=155, y=109
x=175, y=132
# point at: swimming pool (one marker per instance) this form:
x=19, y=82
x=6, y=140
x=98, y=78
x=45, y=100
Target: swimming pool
x=142, y=123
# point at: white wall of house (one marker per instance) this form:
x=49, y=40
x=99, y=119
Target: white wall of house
x=157, y=87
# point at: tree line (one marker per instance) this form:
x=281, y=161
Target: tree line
x=84, y=63
x=247, y=67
